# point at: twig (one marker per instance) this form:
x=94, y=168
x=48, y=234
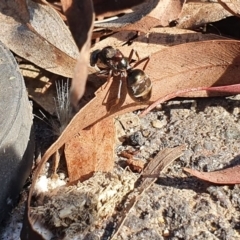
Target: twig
x=155, y=166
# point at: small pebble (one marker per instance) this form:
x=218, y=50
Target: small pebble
x=158, y=124
x=166, y=233
x=136, y=139
x=61, y=176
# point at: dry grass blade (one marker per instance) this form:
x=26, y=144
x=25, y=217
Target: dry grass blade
x=62, y=106
x=157, y=165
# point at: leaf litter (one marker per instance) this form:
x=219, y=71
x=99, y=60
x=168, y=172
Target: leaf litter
x=24, y=31
x=170, y=72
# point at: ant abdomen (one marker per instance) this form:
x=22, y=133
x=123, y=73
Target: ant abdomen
x=139, y=85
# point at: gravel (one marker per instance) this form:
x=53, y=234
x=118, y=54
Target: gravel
x=179, y=206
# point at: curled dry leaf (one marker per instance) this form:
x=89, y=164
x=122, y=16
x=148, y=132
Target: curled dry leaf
x=234, y=89
x=195, y=14
x=24, y=35
x=178, y=67
x=146, y=16
x=232, y=6
x=79, y=26
x=83, y=155
x=225, y=176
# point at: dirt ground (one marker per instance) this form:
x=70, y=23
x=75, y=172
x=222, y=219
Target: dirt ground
x=177, y=206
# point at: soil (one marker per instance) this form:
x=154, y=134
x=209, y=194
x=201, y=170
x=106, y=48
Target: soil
x=178, y=206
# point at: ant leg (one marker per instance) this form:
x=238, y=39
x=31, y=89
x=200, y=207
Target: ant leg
x=97, y=68
x=119, y=94
x=119, y=90
x=131, y=55
x=102, y=73
x=136, y=53
x=109, y=78
x=147, y=59
x=117, y=100
x=139, y=61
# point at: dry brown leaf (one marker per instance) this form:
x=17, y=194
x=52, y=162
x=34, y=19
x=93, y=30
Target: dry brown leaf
x=36, y=40
x=81, y=69
x=156, y=40
x=195, y=14
x=22, y=10
x=197, y=64
x=135, y=165
x=232, y=6
x=225, y=176
x=82, y=32
x=90, y=150
x=146, y=16
x=209, y=63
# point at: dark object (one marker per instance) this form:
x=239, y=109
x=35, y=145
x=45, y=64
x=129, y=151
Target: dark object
x=16, y=138
x=79, y=30
x=112, y=62
x=136, y=139
x=222, y=27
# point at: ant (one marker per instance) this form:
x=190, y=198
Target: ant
x=112, y=62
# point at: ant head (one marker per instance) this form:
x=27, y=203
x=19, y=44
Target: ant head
x=94, y=57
